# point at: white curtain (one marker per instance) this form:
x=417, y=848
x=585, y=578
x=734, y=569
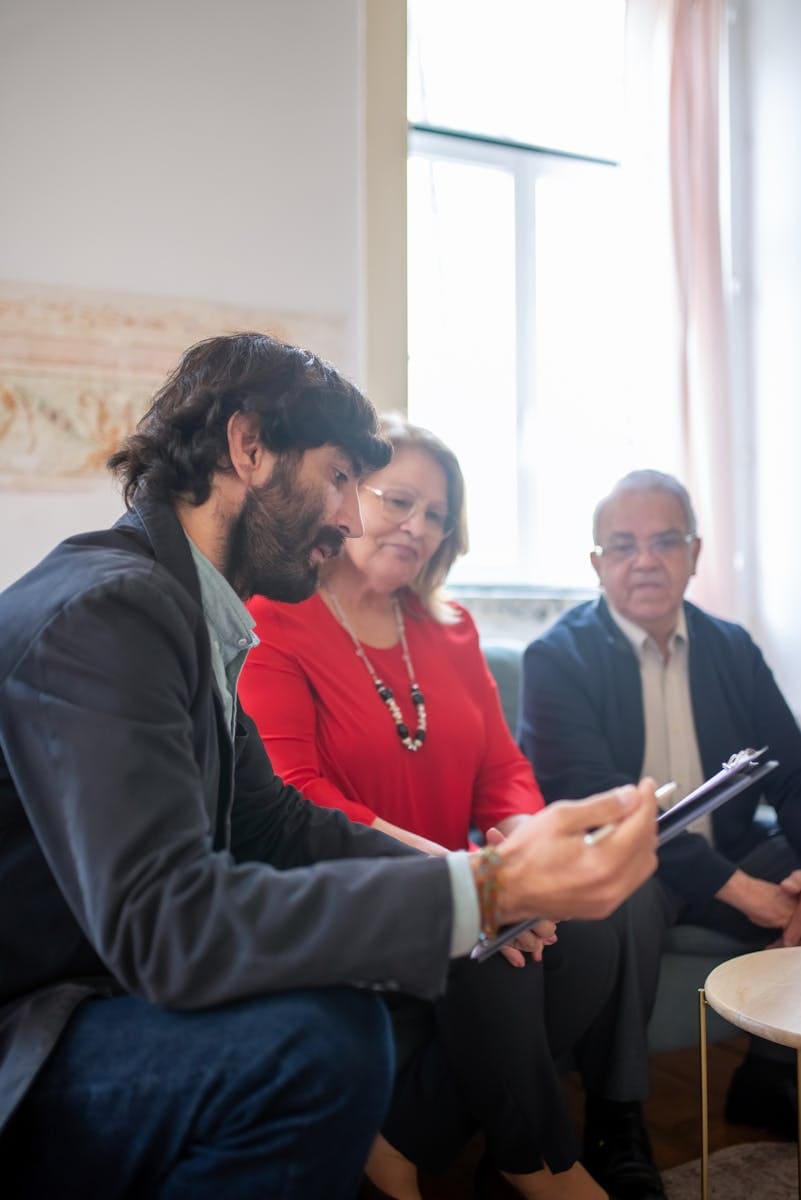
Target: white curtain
x=674, y=55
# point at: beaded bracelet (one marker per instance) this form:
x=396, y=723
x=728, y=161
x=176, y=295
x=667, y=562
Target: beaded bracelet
x=488, y=886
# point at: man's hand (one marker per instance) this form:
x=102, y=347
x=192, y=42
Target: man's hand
x=770, y=905
x=792, y=930
x=547, y=870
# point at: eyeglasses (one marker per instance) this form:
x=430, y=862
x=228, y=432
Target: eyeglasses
x=660, y=545
x=399, y=505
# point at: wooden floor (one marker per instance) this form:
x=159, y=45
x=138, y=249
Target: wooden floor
x=674, y=1110
x=673, y=1116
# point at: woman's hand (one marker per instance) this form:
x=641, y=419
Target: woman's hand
x=410, y=839
x=534, y=940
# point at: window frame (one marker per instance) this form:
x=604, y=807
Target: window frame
x=527, y=165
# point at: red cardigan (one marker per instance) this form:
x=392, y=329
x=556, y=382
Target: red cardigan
x=328, y=733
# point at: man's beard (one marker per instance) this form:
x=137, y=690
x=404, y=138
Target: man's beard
x=273, y=536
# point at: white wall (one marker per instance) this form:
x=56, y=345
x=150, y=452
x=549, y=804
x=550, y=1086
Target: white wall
x=180, y=148
x=185, y=147
x=217, y=151
x=773, y=39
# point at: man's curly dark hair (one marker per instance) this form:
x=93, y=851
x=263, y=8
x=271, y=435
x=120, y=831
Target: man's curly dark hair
x=301, y=402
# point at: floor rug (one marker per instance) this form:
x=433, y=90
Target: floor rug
x=751, y=1171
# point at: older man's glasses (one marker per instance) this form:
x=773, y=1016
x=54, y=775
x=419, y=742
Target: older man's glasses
x=660, y=545
x=399, y=505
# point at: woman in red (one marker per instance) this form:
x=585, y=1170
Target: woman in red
x=373, y=697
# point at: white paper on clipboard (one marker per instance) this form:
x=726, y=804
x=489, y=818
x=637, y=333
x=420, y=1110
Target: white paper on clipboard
x=741, y=771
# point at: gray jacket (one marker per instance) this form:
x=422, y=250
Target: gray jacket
x=144, y=851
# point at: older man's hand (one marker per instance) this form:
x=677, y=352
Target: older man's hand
x=791, y=935
x=771, y=905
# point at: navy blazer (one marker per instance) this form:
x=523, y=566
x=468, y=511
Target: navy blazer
x=582, y=727
x=134, y=834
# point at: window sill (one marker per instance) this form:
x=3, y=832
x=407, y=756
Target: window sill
x=514, y=612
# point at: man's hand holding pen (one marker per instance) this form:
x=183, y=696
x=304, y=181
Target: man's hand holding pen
x=545, y=868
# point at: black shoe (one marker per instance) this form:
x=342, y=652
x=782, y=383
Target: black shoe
x=763, y=1094
x=617, y=1152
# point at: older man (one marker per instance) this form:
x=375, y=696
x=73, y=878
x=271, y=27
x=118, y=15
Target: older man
x=641, y=682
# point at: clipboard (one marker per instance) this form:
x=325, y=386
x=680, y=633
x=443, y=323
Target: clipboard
x=741, y=771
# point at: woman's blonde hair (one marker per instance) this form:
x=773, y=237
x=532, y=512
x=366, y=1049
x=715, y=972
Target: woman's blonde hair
x=429, y=584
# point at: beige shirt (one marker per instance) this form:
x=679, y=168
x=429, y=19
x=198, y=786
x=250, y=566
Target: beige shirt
x=671, y=745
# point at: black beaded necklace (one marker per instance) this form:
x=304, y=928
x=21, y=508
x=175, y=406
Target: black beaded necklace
x=385, y=692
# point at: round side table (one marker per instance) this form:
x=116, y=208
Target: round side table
x=760, y=993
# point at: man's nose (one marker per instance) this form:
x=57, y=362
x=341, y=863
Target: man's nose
x=645, y=555
x=349, y=517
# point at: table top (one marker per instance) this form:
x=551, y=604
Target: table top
x=760, y=993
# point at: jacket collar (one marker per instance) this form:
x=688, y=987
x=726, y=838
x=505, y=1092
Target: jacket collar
x=615, y=634
x=155, y=522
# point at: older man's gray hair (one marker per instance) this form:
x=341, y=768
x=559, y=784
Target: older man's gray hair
x=647, y=481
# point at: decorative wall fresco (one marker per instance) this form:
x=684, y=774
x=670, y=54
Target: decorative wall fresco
x=78, y=369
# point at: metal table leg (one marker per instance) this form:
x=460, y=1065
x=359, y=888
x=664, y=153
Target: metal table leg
x=798, y=1135
x=705, y=1098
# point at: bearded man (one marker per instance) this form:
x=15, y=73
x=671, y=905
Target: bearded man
x=190, y=951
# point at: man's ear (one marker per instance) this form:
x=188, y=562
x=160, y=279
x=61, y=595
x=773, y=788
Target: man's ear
x=595, y=559
x=695, y=552
x=245, y=447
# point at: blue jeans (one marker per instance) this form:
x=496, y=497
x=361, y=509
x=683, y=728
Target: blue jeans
x=275, y=1098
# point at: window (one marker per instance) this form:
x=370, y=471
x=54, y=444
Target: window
x=535, y=325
